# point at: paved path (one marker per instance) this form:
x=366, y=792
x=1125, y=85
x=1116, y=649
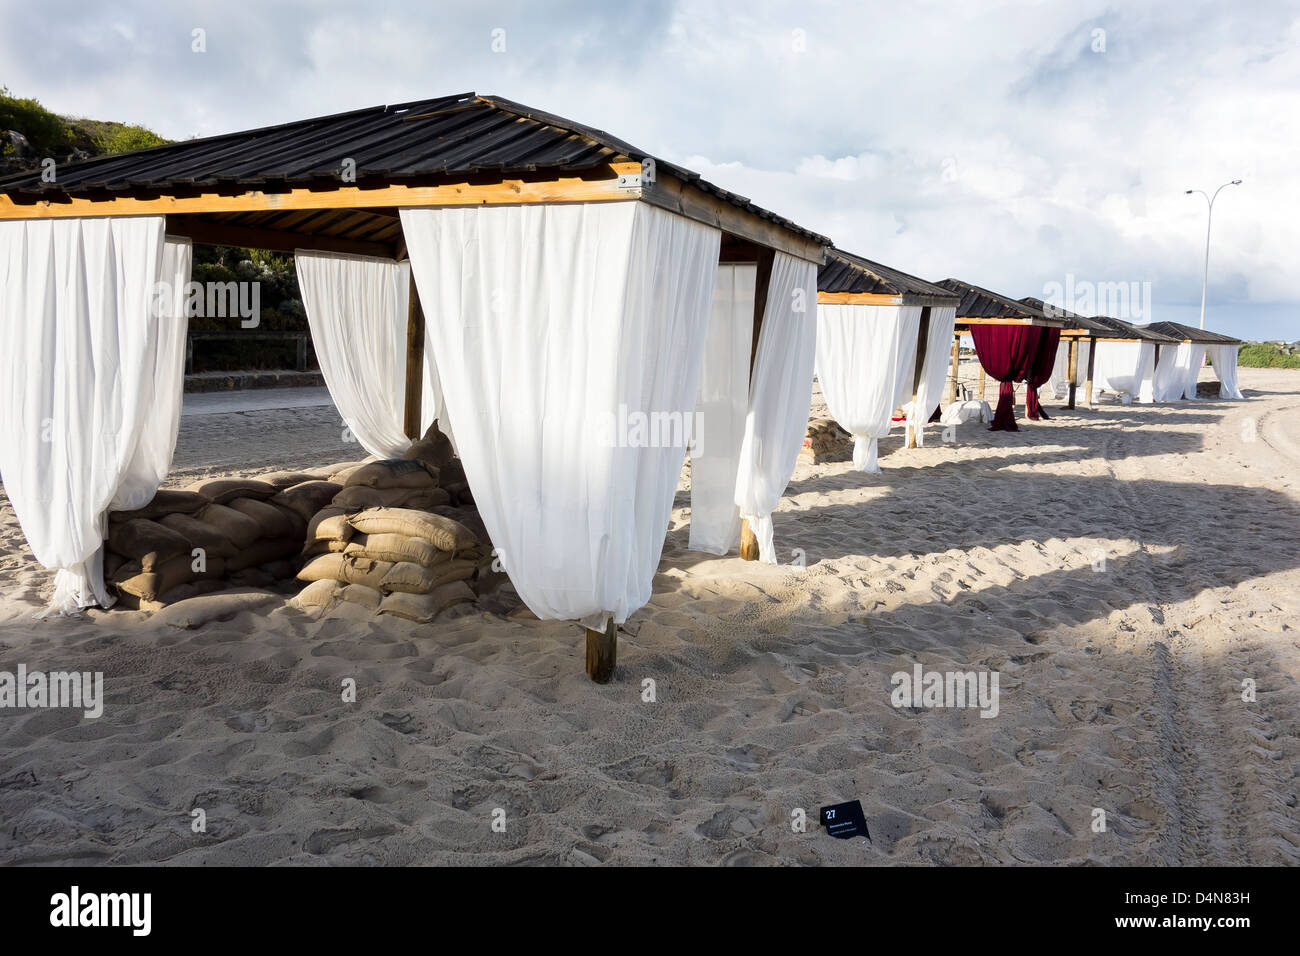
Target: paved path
x=253, y=400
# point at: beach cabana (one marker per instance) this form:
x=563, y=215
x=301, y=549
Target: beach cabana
x=556, y=277
x=1186, y=359
x=1014, y=341
x=882, y=342
x=1106, y=353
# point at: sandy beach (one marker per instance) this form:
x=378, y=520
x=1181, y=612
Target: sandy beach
x=1123, y=570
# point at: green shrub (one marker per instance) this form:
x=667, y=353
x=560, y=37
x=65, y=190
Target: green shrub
x=124, y=139
x=46, y=131
x=1266, y=355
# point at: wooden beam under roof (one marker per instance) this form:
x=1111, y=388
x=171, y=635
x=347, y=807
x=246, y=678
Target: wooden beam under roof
x=215, y=233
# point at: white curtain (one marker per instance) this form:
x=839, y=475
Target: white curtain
x=1224, y=360
x=559, y=332
x=79, y=371
x=153, y=453
x=1126, y=369
x=866, y=358
x=1191, y=358
x=720, y=411
x=1170, y=376
x=934, y=370
x=1059, y=383
x=780, y=395
x=357, y=309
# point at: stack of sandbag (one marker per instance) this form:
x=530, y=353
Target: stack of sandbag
x=186, y=542
x=403, y=561
x=824, y=441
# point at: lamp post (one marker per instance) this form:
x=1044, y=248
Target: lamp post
x=1205, y=281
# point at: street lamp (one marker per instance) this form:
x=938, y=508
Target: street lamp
x=1209, y=199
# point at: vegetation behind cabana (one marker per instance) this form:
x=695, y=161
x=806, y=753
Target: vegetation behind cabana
x=70, y=139
x=1269, y=355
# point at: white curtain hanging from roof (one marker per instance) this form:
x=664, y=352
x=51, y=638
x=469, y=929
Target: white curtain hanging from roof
x=357, y=309
x=934, y=370
x=780, y=395
x=1191, y=358
x=1224, y=360
x=559, y=331
x=1126, y=369
x=720, y=411
x=1170, y=377
x=82, y=378
x=1059, y=383
x=866, y=358
x=153, y=452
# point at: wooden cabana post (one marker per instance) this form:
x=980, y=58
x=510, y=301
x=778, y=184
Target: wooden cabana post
x=956, y=359
x=918, y=369
x=414, y=364
x=763, y=276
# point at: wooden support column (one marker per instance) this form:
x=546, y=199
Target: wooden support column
x=919, y=415
x=414, y=364
x=1092, y=358
x=956, y=358
x=983, y=379
x=763, y=278
x=1072, y=367
x=602, y=653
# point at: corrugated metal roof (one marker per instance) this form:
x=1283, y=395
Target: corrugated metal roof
x=1072, y=319
x=466, y=134
x=847, y=273
x=1187, y=332
x=977, y=303
x=1129, y=330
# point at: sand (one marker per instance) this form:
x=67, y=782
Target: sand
x=1120, y=687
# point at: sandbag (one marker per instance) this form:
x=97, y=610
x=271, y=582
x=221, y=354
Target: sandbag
x=366, y=571
x=200, y=534
x=264, y=551
x=297, y=523
x=394, y=473
x=198, y=611
x=307, y=498
x=239, y=528
x=434, y=448
x=324, y=546
x=252, y=577
x=280, y=480
x=154, y=585
x=459, y=493
x=221, y=490
x=453, y=472
x=341, y=476
x=112, y=562
x=361, y=594
x=415, y=579
x=357, y=497
x=445, y=533
x=396, y=548
x=423, y=608
x=322, y=593
x=330, y=524
x=143, y=536
x=325, y=567
x=281, y=568
x=164, y=503
x=271, y=521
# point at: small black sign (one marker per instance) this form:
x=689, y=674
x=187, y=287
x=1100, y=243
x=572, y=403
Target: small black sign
x=845, y=820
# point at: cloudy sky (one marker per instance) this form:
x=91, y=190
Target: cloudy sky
x=1011, y=144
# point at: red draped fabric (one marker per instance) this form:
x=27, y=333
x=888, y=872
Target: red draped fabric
x=1041, y=371
x=1008, y=354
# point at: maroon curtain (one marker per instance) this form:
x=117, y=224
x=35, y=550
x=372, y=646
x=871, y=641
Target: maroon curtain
x=1041, y=372
x=1008, y=354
